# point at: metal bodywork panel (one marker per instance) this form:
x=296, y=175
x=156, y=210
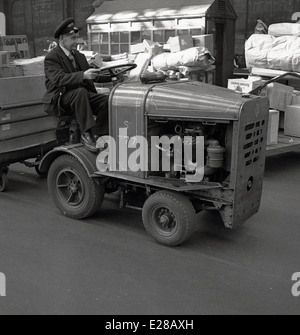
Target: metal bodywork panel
x=86, y=158
x=133, y=105
x=193, y=100
x=163, y=183
x=26, y=131
x=189, y=100
x=248, y=161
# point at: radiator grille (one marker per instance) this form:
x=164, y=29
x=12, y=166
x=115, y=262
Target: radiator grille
x=254, y=139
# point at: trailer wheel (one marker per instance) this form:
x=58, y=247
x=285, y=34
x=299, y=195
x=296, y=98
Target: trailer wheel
x=3, y=181
x=73, y=192
x=169, y=217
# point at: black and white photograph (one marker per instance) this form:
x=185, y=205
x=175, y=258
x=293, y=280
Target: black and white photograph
x=149, y=160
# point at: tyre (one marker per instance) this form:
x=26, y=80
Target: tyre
x=169, y=217
x=73, y=192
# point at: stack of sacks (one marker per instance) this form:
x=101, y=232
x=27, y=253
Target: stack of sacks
x=277, y=53
x=194, y=57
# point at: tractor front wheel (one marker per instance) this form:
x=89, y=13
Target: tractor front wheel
x=169, y=217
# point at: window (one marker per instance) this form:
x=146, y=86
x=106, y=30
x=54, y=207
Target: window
x=104, y=38
x=169, y=33
x=146, y=35
x=124, y=36
x=136, y=37
x=196, y=32
x=182, y=32
x=116, y=38
x=104, y=49
x=158, y=36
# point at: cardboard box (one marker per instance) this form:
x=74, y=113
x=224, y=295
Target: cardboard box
x=11, y=72
x=292, y=121
x=96, y=61
x=153, y=48
x=137, y=48
x=273, y=127
x=280, y=96
x=4, y=58
x=142, y=61
x=206, y=41
x=180, y=43
x=243, y=85
x=296, y=98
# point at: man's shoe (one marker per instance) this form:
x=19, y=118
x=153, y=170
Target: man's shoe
x=89, y=143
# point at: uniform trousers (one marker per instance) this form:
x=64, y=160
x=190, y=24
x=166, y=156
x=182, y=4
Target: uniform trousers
x=85, y=105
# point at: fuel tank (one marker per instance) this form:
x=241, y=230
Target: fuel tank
x=190, y=100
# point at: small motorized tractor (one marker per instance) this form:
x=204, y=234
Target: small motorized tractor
x=174, y=149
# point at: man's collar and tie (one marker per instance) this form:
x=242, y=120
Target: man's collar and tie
x=73, y=60
x=70, y=55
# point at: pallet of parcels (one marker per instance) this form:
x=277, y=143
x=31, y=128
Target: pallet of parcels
x=180, y=57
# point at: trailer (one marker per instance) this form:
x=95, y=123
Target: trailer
x=285, y=143
x=27, y=133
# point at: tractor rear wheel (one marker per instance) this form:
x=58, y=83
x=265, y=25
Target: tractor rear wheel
x=72, y=190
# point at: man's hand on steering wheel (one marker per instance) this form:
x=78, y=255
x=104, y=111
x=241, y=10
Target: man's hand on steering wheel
x=91, y=74
x=114, y=72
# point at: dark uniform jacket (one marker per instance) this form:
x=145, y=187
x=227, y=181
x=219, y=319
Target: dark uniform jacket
x=61, y=76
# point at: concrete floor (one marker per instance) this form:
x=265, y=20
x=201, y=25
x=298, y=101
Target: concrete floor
x=109, y=265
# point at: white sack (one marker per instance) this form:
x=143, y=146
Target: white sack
x=257, y=47
x=276, y=53
x=284, y=29
x=193, y=57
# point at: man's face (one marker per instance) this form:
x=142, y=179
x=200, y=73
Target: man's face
x=69, y=41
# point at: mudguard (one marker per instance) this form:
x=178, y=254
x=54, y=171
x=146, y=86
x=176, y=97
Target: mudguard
x=85, y=157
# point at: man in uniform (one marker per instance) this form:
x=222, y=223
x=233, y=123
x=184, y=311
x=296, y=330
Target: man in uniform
x=70, y=87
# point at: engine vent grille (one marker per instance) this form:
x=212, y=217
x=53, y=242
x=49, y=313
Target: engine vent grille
x=254, y=142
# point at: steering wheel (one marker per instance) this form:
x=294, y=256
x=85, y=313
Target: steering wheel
x=113, y=73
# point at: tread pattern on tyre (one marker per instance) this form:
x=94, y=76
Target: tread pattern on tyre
x=186, y=209
x=96, y=192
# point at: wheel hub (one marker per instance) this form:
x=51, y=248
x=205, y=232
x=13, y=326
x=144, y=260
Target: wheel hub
x=166, y=219
x=73, y=186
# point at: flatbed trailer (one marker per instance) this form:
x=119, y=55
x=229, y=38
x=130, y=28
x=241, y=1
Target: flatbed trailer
x=285, y=144
x=27, y=133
